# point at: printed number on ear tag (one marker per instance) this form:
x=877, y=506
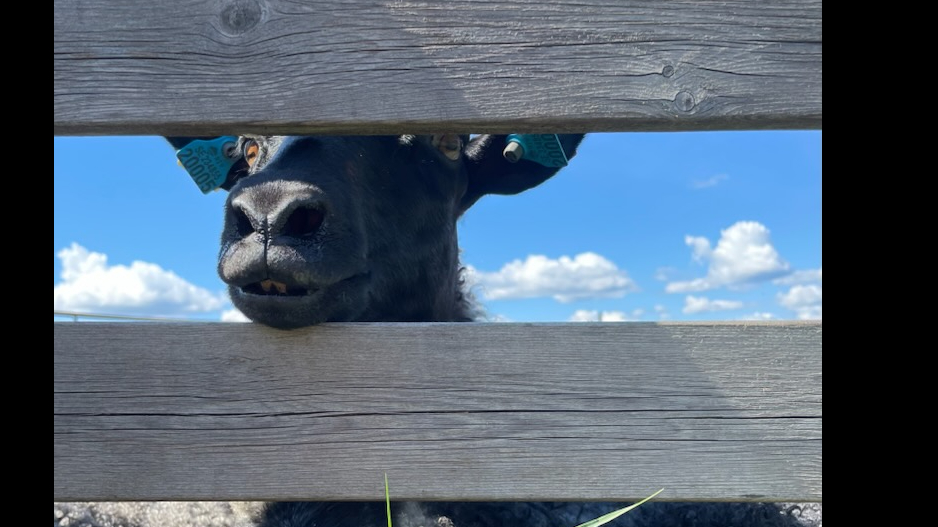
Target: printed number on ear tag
x=208, y=161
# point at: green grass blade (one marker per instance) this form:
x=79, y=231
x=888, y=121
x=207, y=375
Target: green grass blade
x=606, y=518
x=387, y=497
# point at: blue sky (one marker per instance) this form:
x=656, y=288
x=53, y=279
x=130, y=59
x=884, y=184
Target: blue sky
x=640, y=226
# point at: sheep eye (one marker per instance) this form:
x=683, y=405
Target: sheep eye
x=251, y=151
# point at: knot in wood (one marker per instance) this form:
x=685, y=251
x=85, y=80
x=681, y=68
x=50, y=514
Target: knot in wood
x=684, y=101
x=240, y=16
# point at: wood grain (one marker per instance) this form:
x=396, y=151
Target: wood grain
x=449, y=411
x=191, y=67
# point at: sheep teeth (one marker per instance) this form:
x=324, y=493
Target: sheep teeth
x=281, y=287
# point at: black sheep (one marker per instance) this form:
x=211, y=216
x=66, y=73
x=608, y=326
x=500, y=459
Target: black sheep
x=359, y=228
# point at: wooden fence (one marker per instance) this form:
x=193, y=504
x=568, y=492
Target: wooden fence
x=711, y=411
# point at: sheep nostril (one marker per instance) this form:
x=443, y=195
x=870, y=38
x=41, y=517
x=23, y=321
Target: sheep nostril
x=304, y=222
x=242, y=224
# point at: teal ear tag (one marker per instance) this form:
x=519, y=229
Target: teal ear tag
x=208, y=161
x=544, y=149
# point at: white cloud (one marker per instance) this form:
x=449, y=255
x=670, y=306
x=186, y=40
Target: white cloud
x=804, y=300
x=700, y=304
x=89, y=284
x=233, y=315
x=806, y=276
x=662, y=312
x=663, y=274
x=692, y=286
x=743, y=255
x=592, y=315
x=700, y=249
x=711, y=181
x=587, y=275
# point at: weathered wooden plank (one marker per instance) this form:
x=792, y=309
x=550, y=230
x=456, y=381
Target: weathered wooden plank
x=379, y=66
x=449, y=411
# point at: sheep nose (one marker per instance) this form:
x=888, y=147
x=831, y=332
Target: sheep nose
x=277, y=208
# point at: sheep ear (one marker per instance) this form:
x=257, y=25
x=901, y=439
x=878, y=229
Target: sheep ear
x=493, y=171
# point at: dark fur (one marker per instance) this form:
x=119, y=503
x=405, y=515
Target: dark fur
x=534, y=514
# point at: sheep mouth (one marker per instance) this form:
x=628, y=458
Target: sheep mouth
x=273, y=288
x=270, y=287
